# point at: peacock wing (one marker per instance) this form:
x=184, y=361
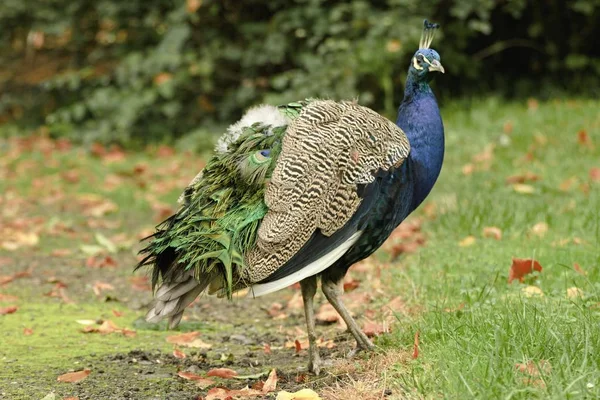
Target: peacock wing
x=327, y=153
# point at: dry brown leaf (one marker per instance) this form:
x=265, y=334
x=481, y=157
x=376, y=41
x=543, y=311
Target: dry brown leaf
x=584, y=139
x=189, y=339
x=595, y=174
x=8, y=298
x=224, y=373
x=468, y=241
x=271, y=382
x=27, y=331
x=522, y=178
x=178, y=354
x=8, y=310
x=19, y=240
x=415, y=353
x=117, y=313
x=574, y=293
x=468, y=169
x=540, y=229
x=73, y=377
x=523, y=189
x=521, y=267
x=98, y=287
x=579, y=270
x=492, y=232
x=61, y=252
x=108, y=327
x=327, y=314
x=304, y=394
x=198, y=380
x=534, y=369
x=371, y=328
x=532, y=291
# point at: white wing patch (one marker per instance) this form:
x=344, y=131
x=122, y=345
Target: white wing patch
x=311, y=269
x=265, y=114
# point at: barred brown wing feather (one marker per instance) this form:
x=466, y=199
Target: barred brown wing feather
x=327, y=151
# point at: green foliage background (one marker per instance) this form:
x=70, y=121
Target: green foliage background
x=138, y=71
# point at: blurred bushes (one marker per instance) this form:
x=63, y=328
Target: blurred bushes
x=137, y=71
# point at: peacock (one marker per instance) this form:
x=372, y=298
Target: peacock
x=296, y=193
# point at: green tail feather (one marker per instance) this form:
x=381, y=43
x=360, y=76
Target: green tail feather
x=219, y=222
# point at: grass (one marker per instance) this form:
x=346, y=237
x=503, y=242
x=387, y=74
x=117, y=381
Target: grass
x=474, y=327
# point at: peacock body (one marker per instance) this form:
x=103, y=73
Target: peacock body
x=297, y=192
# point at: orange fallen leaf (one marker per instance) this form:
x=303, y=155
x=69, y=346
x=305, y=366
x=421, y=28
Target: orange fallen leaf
x=595, y=174
x=540, y=229
x=73, y=377
x=327, y=314
x=8, y=310
x=521, y=267
x=98, y=287
x=117, y=313
x=8, y=297
x=415, y=353
x=267, y=348
x=574, y=293
x=578, y=269
x=584, y=139
x=298, y=346
x=178, y=354
x=371, y=329
x=522, y=178
x=492, y=232
x=61, y=252
x=71, y=398
x=468, y=241
x=350, y=285
x=224, y=373
x=27, y=331
x=189, y=339
x=201, y=381
x=271, y=382
x=468, y=169
x=534, y=369
x=108, y=327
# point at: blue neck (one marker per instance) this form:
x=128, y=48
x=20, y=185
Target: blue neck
x=419, y=117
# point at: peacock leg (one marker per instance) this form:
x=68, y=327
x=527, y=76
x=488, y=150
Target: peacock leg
x=309, y=289
x=332, y=291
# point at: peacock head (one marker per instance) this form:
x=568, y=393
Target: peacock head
x=426, y=60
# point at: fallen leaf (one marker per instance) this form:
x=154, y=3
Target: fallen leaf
x=574, y=293
x=140, y=283
x=468, y=241
x=327, y=314
x=415, y=353
x=20, y=240
x=8, y=310
x=178, y=354
x=71, y=398
x=350, y=285
x=492, y=232
x=224, y=373
x=522, y=178
x=304, y=394
x=468, y=169
x=298, y=346
x=595, y=174
x=201, y=381
x=61, y=252
x=98, y=287
x=371, y=328
x=534, y=369
x=108, y=327
x=532, y=291
x=523, y=189
x=189, y=339
x=73, y=377
x=27, y=331
x=267, y=348
x=584, y=139
x=271, y=382
x=567, y=183
x=8, y=298
x=521, y=267
x=578, y=269
x=532, y=104
x=540, y=229
x=117, y=313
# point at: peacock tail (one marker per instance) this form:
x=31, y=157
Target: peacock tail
x=222, y=207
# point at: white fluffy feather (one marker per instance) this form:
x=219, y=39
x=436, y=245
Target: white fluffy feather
x=311, y=269
x=265, y=114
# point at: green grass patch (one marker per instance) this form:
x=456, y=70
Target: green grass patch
x=476, y=327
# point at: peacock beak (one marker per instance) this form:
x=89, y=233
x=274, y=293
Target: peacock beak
x=436, y=66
